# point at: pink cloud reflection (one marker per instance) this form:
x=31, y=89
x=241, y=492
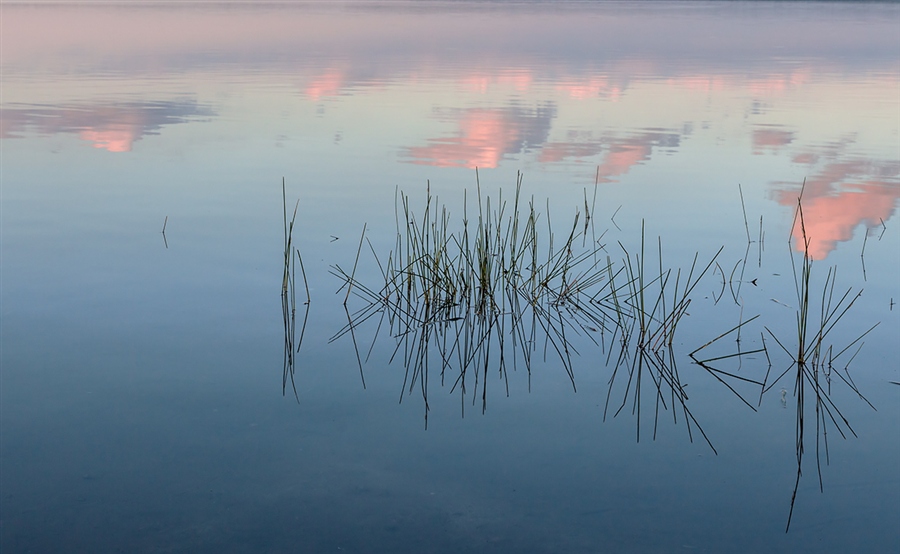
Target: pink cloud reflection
x=114, y=128
x=328, y=84
x=114, y=138
x=622, y=157
x=484, y=137
x=622, y=153
x=839, y=198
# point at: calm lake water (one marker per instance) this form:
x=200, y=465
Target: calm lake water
x=142, y=372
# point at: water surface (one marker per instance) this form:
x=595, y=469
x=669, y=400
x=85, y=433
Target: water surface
x=142, y=403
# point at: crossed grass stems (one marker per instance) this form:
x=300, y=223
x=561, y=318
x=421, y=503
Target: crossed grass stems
x=502, y=291
x=813, y=362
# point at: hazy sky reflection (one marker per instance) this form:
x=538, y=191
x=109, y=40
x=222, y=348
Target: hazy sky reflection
x=600, y=89
x=620, y=154
x=110, y=126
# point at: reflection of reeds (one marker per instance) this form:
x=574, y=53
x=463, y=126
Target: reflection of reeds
x=289, y=299
x=500, y=290
x=649, y=308
x=812, y=356
x=500, y=287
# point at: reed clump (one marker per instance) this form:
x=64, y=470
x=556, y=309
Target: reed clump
x=502, y=285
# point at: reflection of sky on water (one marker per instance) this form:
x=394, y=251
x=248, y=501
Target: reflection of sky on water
x=596, y=91
x=168, y=347
x=756, y=85
x=840, y=194
x=329, y=84
x=661, y=37
x=620, y=154
x=770, y=138
x=109, y=126
x=842, y=190
x=485, y=136
x=599, y=86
